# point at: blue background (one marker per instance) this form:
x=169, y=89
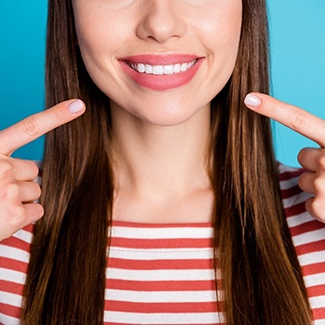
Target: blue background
x=297, y=59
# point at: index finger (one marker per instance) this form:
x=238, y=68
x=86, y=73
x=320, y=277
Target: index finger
x=291, y=116
x=38, y=124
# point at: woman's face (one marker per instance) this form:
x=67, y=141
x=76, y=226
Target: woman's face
x=159, y=60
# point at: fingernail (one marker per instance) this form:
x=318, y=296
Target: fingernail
x=76, y=106
x=252, y=100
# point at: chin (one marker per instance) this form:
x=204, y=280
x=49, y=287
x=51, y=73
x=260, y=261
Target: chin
x=172, y=117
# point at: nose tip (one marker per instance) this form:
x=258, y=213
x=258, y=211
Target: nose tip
x=161, y=21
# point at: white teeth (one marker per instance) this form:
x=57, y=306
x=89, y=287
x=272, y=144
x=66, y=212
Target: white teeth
x=162, y=69
x=168, y=69
x=177, y=68
x=141, y=68
x=149, y=68
x=157, y=69
x=184, y=67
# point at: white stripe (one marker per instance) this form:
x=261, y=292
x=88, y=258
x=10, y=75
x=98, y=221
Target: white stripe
x=162, y=296
x=163, y=318
x=161, y=275
x=10, y=299
x=317, y=302
x=286, y=184
x=309, y=237
x=299, y=219
x=312, y=258
x=163, y=233
x=160, y=254
x=315, y=279
x=24, y=235
x=296, y=199
x=14, y=253
x=12, y=276
x=319, y=321
x=8, y=320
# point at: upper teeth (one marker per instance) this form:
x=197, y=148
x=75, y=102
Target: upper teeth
x=161, y=69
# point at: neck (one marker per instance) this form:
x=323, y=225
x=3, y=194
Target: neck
x=156, y=160
x=161, y=171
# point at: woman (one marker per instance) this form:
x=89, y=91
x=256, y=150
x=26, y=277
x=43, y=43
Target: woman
x=170, y=164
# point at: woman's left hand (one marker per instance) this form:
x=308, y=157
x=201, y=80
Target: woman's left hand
x=312, y=159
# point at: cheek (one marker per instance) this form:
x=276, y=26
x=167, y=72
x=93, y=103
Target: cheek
x=99, y=35
x=220, y=35
x=222, y=30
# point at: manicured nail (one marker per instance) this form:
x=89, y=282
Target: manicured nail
x=252, y=100
x=76, y=106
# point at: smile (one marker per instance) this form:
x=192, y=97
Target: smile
x=161, y=72
x=162, y=69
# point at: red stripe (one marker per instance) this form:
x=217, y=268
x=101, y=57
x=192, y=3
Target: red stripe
x=316, y=291
x=154, y=286
x=160, y=307
x=295, y=209
x=193, y=264
x=313, y=247
x=10, y=310
x=161, y=243
x=318, y=313
x=307, y=227
x=29, y=228
x=314, y=268
x=295, y=190
x=16, y=243
x=11, y=287
x=11, y=264
x=291, y=174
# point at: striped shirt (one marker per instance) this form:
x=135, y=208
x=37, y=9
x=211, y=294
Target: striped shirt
x=163, y=274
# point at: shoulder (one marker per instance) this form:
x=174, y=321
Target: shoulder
x=308, y=236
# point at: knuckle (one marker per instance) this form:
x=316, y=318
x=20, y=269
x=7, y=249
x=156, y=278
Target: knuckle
x=36, y=212
x=30, y=126
x=40, y=211
x=302, y=155
x=6, y=169
x=319, y=184
x=34, y=168
x=301, y=181
x=37, y=191
x=297, y=121
x=315, y=207
x=321, y=163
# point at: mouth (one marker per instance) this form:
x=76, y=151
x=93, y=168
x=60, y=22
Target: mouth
x=161, y=72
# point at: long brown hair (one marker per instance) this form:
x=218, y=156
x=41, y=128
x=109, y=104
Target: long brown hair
x=262, y=281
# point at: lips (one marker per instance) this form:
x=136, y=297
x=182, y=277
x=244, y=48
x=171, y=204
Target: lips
x=161, y=72
x=166, y=69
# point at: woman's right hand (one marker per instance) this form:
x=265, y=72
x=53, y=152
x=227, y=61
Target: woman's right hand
x=18, y=190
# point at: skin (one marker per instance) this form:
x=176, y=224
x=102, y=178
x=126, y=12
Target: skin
x=167, y=131
x=160, y=162
x=110, y=30
x=18, y=191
